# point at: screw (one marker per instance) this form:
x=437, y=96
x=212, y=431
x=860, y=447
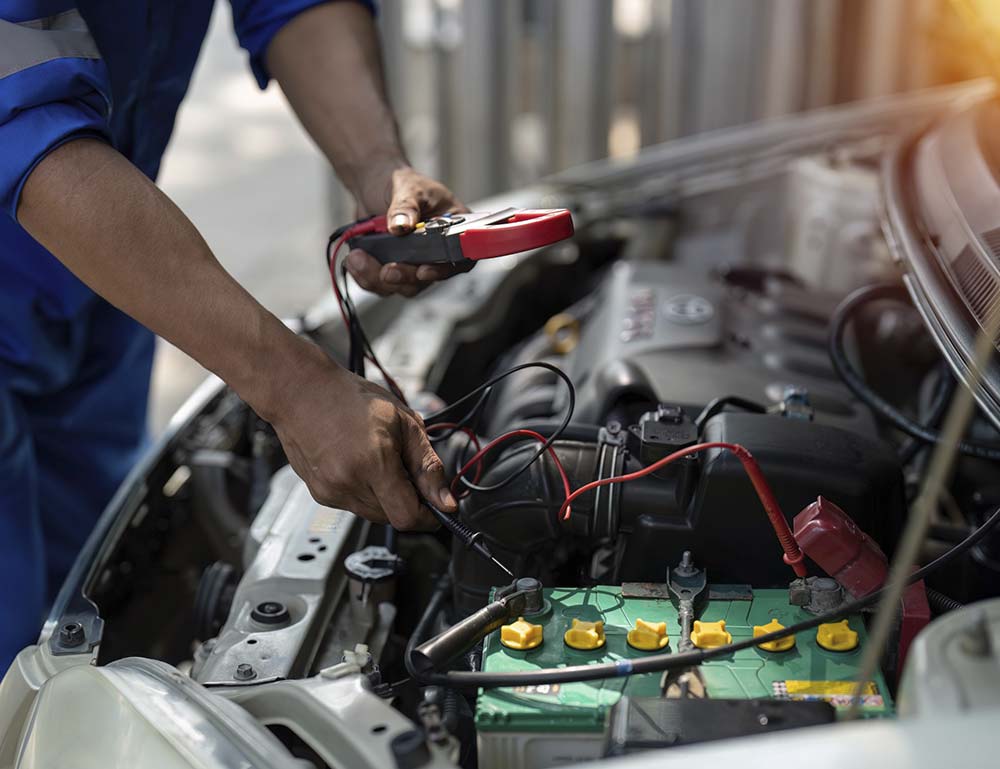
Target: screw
x=270, y=613
x=686, y=566
x=71, y=634
x=245, y=672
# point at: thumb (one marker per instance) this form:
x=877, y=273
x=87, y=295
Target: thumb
x=426, y=469
x=403, y=214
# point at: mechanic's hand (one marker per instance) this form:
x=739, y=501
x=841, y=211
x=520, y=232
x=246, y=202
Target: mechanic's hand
x=358, y=448
x=410, y=197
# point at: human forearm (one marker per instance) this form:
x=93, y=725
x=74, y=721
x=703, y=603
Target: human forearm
x=125, y=239
x=355, y=446
x=328, y=64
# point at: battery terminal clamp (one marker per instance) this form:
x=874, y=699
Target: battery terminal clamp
x=523, y=597
x=460, y=239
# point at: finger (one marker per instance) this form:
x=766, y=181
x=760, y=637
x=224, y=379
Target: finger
x=431, y=273
x=404, y=211
x=395, y=274
x=367, y=506
x=411, y=290
x=425, y=467
x=370, y=511
x=366, y=270
x=398, y=500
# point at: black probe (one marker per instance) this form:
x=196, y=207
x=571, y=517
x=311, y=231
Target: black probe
x=468, y=537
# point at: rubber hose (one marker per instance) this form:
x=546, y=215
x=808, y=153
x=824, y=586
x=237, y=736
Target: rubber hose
x=941, y=603
x=845, y=370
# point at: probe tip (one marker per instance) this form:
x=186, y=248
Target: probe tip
x=502, y=567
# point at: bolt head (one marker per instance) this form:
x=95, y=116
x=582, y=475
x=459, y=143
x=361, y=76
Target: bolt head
x=270, y=613
x=72, y=634
x=245, y=672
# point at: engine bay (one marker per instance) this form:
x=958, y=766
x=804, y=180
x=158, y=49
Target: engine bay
x=692, y=308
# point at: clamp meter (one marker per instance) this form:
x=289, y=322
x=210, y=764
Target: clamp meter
x=461, y=238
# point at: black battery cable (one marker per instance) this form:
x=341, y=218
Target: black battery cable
x=543, y=447
x=842, y=317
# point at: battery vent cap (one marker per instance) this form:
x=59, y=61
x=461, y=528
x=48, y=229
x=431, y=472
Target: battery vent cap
x=521, y=635
x=709, y=635
x=648, y=636
x=585, y=636
x=837, y=636
x=780, y=645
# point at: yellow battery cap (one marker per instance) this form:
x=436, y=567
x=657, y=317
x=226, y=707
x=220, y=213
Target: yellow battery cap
x=709, y=635
x=837, y=636
x=521, y=635
x=648, y=636
x=585, y=636
x=781, y=645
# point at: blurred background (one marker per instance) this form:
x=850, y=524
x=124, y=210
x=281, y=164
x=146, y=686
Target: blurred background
x=493, y=94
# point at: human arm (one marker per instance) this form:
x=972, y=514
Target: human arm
x=354, y=444
x=328, y=64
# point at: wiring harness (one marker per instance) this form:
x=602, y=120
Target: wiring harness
x=360, y=348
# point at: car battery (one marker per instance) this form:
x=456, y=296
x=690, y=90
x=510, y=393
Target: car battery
x=555, y=724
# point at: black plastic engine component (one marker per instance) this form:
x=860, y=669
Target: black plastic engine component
x=630, y=532
x=670, y=333
x=725, y=524
x=642, y=723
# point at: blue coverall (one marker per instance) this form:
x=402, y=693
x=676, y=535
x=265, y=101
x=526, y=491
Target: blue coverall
x=74, y=371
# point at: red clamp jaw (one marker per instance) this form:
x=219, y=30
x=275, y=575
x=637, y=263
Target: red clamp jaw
x=458, y=238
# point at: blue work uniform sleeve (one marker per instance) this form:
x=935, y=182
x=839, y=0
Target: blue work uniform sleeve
x=258, y=21
x=53, y=87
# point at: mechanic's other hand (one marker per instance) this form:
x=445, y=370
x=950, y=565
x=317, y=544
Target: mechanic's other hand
x=357, y=447
x=410, y=197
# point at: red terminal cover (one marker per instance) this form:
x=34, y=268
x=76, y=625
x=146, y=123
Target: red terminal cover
x=829, y=537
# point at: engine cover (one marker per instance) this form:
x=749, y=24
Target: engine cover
x=671, y=333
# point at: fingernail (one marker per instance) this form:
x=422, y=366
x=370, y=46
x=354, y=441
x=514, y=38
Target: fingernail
x=447, y=498
x=356, y=259
x=393, y=275
x=401, y=220
x=425, y=273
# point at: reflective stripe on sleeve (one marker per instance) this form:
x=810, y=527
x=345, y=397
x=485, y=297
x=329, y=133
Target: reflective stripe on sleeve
x=35, y=42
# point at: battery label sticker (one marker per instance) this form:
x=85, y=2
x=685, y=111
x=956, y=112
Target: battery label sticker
x=550, y=689
x=837, y=693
